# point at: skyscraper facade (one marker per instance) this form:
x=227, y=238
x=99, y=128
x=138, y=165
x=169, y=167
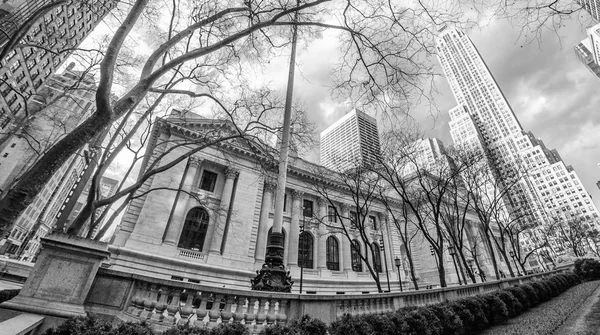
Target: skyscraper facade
x=586, y=57
x=72, y=101
x=594, y=38
x=545, y=186
x=25, y=69
x=485, y=119
x=592, y=7
x=351, y=141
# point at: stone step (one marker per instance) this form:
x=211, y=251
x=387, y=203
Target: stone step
x=22, y=324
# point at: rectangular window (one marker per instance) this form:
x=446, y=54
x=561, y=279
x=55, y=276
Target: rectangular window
x=307, y=208
x=353, y=219
x=372, y=222
x=285, y=202
x=331, y=217
x=209, y=179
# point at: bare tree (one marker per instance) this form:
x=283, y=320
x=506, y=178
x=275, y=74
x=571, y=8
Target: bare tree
x=363, y=186
x=384, y=49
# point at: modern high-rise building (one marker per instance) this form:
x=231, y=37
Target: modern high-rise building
x=545, y=185
x=351, y=141
x=485, y=119
x=592, y=7
x=25, y=69
x=427, y=154
x=72, y=101
x=64, y=101
x=594, y=38
x=586, y=57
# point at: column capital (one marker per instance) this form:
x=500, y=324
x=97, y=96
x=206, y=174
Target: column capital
x=383, y=217
x=321, y=201
x=231, y=173
x=195, y=161
x=270, y=186
x=296, y=194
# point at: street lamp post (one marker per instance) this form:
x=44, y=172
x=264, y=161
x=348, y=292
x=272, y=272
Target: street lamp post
x=387, y=272
x=273, y=275
x=452, y=253
x=302, y=250
x=397, y=261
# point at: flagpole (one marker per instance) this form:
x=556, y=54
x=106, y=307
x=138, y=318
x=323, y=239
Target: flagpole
x=273, y=276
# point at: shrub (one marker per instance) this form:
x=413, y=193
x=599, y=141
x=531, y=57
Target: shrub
x=350, y=325
x=532, y=295
x=82, y=325
x=133, y=328
x=231, y=329
x=541, y=291
x=308, y=326
x=552, y=287
x=8, y=294
x=186, y=330
x=450, y=321
x=419, y=321
x=476, y=306
x=587, y=268
x=513, y=306
x=496, y=310
x=520, y=294
x=276, y=330
x=381, y=323
x=466, y=317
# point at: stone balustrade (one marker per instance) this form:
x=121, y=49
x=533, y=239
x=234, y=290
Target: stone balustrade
x=166, y=303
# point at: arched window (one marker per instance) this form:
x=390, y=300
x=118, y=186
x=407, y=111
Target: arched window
x=269, y=237
x=355, y=253
x=333, y=254
x=377, y=257
x=305, y=250
x=194, y=229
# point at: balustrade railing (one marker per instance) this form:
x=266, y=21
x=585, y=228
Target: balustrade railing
x=166, y=303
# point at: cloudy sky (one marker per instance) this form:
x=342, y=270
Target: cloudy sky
x=550, y=91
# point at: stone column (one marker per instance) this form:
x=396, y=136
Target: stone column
x=346, y=252
x=173, y=228
x=216, y=236
x=387, y=239
x=295, y=227
x=321, y=235
x=263, y=223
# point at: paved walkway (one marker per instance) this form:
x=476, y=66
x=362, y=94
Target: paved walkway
x=575, y=324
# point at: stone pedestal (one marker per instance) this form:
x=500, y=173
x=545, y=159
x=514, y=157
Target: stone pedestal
x=61, y=278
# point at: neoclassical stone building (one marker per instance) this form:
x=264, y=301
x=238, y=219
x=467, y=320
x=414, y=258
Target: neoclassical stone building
x=214, y=230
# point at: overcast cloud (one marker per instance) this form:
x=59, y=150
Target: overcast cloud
x=550, y=91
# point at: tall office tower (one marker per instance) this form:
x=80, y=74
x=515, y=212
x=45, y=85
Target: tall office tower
x=351, y=140
x=426, y=154
x=484, y=115
x=65, y=100
x=592, y=7
x=582, y=50
x=558, y=184
x=71, y=101
x=485, y=120
x=594, y=38
x=25, y=69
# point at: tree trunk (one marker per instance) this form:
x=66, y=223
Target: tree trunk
x=24, y=192
x=441, y=270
